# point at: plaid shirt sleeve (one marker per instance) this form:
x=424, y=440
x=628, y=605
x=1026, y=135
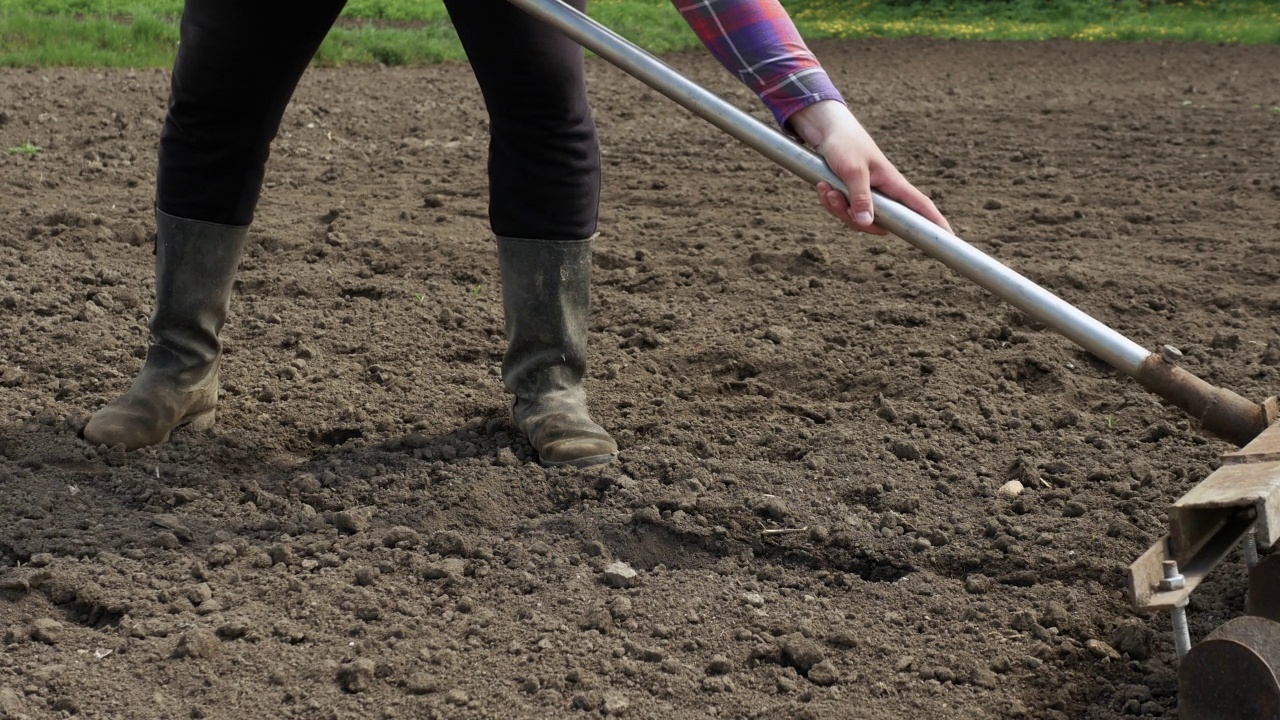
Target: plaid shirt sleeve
x=757, y=42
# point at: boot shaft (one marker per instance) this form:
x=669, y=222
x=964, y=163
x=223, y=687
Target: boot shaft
x=196, y=264
x=546, y=299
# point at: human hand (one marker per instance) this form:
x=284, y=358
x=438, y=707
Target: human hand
x=853, y=156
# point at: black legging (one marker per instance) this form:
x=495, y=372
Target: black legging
x=239, y=62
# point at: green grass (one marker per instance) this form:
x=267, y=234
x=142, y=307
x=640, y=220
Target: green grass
x=29, y=40
x=25, y=148
x=1216, y=21
x=143, y=33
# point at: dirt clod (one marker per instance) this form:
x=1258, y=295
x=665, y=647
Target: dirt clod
x=46, y=630
x=422, y=683
x=353, y=521
x=615, y=703
x=197, y=644
x=1101, y=650
x=620, y=607
x=448, y=568
x=10, y=703
x=978, y=584
x=357, y=675
x=620, y=575
x=1133, y=638
x=200, y=593
x=823, y=673
x=719, y=665
x=801, y=652
x=367, y=576
x=905, y=450
x=598, y=619
x=401, y=537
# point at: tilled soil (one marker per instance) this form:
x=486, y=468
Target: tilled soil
x=814, y=426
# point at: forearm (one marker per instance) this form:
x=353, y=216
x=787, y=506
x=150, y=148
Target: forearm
x=757, y=42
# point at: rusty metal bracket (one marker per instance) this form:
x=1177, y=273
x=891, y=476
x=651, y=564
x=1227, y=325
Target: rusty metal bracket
x=1206, y=523
x=1214, y=542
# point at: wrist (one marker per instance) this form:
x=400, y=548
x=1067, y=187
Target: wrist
x=816, y=123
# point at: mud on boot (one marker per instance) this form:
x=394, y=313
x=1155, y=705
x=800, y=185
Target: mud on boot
x=546, y=299
x=195, y=268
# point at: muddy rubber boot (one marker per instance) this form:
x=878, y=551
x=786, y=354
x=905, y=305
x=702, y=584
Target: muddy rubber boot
x=195, y=267
x=546, y=297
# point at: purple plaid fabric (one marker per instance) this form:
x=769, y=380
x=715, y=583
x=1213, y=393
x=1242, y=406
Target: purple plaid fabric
x=757, y=42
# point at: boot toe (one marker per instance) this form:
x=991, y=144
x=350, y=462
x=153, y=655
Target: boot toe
x=573, y=439
x=136, y=420
x=114, y=426
x=578, y=452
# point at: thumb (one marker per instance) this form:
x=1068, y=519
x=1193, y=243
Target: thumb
x=861, y=207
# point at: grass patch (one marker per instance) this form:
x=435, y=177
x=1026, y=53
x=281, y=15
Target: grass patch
x=143, y=33
x=1216, y=21
x=45, y=40
x=652, y=24
x=390, y=46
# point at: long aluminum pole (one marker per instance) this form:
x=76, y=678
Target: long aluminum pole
x=1090, y=334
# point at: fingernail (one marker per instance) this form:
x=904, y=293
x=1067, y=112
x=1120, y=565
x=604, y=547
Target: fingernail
x=864, y=218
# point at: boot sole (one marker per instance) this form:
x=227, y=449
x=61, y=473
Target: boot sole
x=202, y=420
x=581, y=463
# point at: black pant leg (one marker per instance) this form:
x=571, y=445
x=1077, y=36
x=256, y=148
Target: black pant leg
x=238, y=64
x=544, y=160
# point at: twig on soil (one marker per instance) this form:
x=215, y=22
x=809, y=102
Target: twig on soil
x=770, y=532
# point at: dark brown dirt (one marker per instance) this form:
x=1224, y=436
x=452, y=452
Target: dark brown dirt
x=362, y=536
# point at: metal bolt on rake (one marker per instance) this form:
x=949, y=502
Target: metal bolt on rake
x=1174, y=580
